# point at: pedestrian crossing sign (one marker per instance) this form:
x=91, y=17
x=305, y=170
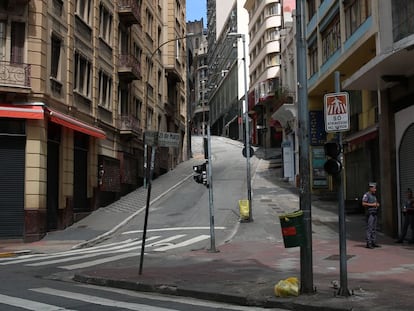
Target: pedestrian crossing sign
x=336, y=112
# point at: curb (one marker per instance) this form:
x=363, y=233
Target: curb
x=287, y=303
x=14, y=253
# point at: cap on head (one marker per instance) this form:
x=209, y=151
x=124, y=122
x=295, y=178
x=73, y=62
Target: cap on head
x=372, y=184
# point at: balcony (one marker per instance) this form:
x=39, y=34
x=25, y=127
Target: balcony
x=129, y=68
x=129, y=12
x=14, y=75
x=129, y=127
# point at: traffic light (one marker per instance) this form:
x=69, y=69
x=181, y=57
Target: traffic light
x=332, y=166
x=201, y=171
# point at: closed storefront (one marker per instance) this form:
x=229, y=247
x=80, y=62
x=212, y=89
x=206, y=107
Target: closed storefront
x=12, y=168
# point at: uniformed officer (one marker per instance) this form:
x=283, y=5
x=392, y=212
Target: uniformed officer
x=369, y=201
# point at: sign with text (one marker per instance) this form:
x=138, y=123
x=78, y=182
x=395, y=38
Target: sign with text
x=162, y=139
x=336, y=112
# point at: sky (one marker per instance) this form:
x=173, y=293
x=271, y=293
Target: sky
x=196, y=9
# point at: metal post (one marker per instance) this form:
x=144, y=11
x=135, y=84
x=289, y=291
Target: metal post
x=144, y=232
x=306, y=262
x=210, y=194
x=247, y=139
x=343, y=289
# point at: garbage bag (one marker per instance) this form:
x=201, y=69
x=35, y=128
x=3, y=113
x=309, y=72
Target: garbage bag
x=287, y=287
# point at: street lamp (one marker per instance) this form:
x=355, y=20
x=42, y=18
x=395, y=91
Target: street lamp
x=246, y=122
x=149, y=62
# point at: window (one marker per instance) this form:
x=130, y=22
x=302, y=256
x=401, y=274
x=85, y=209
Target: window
x=313, y=58
x=150, y=22
x=356, y=12
x=272, y=34
x=272, y=9
x=17, y=42
x=123, y=101
x=137, y=109
x=83, y=9
x=3, y=40
x=402, y=19
x=105, y=25
x=105, y=90
x=55, y=57
x=150, y=114
x=82, y=79
x=311, y=4
x=331, y=39
x=178, y=49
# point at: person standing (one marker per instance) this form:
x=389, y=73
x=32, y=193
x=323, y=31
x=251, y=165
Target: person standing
x=408, y=213
x=369, y=201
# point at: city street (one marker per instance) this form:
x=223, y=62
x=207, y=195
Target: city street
x=179, y=221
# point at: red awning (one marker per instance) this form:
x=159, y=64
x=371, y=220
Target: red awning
x=21, y=111
x=76, y=125
x=364, y=135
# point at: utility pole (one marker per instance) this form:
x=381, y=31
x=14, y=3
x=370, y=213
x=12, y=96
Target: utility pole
x=306, y=262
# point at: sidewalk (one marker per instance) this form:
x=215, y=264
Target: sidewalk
x=245, y=270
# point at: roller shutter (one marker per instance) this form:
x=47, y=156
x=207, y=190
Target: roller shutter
x=406, y=161
x=12, y=164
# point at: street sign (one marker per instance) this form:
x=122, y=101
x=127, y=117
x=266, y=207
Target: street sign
x=336, y=112
x=162, y=139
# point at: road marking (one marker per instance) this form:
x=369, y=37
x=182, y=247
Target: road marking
x=184, y=243
x=98, y=300
x=29, y=304
x=33, y=257
x=115, y=258
x=173, y=229
x=89, y=255
x=91, y=250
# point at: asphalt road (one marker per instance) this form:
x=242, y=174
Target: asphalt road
x=180, y=221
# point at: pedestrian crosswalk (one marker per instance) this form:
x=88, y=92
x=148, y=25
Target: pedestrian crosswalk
x=88, y=297
x=29, y=304
x=105, y=253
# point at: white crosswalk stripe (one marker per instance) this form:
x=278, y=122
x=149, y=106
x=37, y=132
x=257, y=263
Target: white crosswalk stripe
x=98, y=300
x=29, y=304
x=81, y=258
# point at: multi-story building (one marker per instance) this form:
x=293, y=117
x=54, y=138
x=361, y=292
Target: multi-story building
x=226, y=76
x=265, y=23
x=286, y=105
x=371, y=44
x=80, y=82
x=198, y=91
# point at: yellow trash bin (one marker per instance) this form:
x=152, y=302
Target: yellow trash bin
x=244, y=209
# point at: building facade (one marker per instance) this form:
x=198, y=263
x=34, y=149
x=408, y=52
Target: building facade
x=198, y=70
x=370, y=43
x=226, y=75
x=265, y=24
x=81, y=82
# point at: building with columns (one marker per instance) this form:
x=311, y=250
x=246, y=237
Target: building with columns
x=81, y=81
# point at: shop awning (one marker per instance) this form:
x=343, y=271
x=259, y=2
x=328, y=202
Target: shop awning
x=21, y=111
x=74, y=124
x=364, y=135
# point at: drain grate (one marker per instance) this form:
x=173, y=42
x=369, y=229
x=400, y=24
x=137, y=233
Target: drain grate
x=336, y=257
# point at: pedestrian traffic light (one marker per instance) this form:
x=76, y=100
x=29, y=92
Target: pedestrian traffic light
x=332, y=166
x=201, y=174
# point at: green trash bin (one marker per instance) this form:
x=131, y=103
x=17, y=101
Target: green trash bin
x=292, y=229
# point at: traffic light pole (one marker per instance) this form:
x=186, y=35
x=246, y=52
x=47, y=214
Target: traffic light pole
x=210, y=194
x=306, y=262
x=343, y=289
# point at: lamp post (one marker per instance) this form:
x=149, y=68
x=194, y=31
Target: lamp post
x=246, y=122
x=149, y=61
